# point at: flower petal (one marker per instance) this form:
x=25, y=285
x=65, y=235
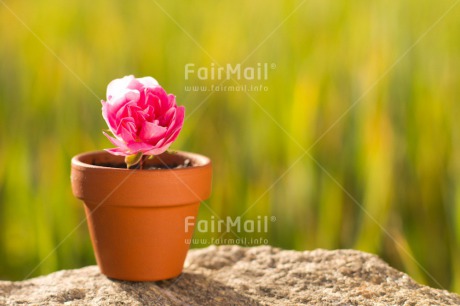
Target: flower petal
x=117, y=151
x=121, y=150
x=118, y=103
x=158, y=98
x=171, y=100
x=157, y=151
x=135, y=147
x=108, y=116
x=152, y=132
x=141, y=83
x=116, y=142
x=123, y=123
x=127, y=136
x=115, y=87
x=173, y=135
x=178, y=121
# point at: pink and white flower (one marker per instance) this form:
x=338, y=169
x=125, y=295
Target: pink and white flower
x=142, y=117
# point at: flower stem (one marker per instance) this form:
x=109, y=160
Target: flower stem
x=141, y=163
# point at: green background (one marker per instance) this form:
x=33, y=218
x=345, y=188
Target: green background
x=355, y=144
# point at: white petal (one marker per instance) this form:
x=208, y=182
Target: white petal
x=118, y=86
x=148, y=81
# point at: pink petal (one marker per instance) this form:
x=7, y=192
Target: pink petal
x=127, y=149
x=127, y=136
x=168, y=116
x=115, y=141
x=152, y=132
x=107, y=115
x=121, y=149
x=178, y=121
x=117, y=151
x=173, y=135
x=148, y=113
x=132, y=95
x=135, y=147
x=118, y=102
x=161, y=103
x=157, y=151
x=153, y=101
x=123, y=123
x=171, y=100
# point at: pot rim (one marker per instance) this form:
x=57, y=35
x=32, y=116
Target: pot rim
x=203, y=160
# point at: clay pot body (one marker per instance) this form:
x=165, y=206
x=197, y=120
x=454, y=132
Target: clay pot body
x=136, y=218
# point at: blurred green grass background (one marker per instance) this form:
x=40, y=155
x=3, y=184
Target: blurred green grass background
x=385, y=178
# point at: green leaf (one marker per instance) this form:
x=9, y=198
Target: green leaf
x=132, y=160
x=108, y=131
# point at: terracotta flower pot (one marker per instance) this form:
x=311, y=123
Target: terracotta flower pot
x=136, y=218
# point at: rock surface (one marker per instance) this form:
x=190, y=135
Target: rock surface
x=232, y=275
